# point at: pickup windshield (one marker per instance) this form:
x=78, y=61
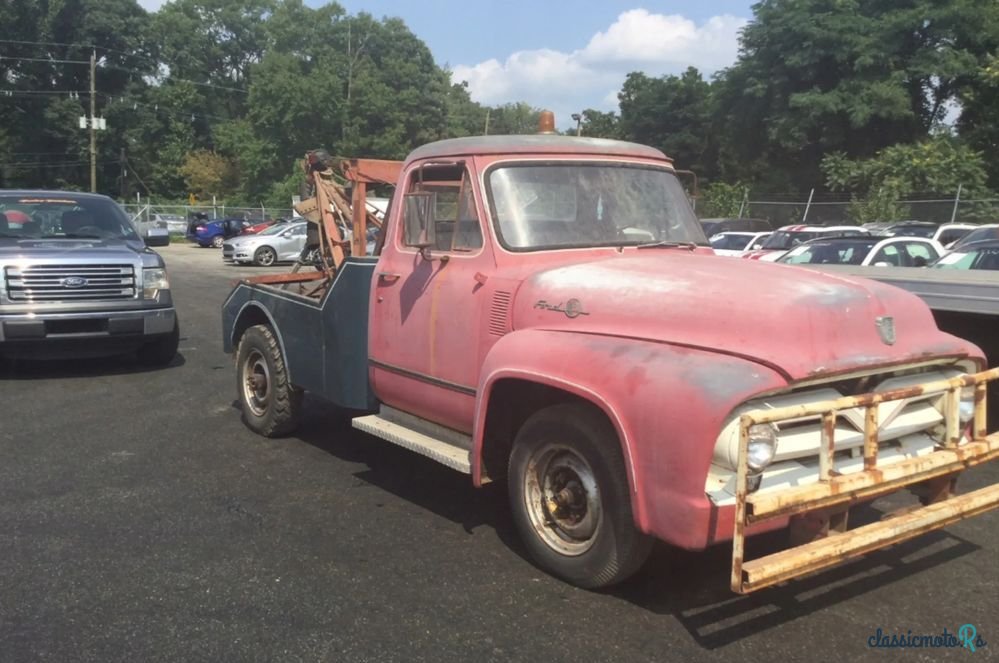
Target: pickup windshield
x=553, y=206
x=62, y=216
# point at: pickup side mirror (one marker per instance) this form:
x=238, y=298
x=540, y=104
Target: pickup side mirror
x=882, y=263
x=418, y=226
x=157, y=237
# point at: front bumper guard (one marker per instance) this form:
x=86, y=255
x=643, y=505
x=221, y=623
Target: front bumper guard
x=820, y=509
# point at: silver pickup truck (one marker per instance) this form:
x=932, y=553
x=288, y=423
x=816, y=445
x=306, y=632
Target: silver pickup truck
x=77, y=280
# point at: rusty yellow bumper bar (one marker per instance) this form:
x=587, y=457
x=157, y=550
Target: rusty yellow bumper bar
x=834, y=493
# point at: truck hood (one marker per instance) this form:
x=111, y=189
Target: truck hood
x=55, y=250
x=797, y=321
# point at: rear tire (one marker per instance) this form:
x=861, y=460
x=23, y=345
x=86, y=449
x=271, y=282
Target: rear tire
x=161, y=351
x=570, y=498
x=218, y=241
x=271, y=405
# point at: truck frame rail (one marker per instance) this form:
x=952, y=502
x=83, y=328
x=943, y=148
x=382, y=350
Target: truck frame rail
x=818, y=511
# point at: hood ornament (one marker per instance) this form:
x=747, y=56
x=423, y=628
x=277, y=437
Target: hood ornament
x=886, y=328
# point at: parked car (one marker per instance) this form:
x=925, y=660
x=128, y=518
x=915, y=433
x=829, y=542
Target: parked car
x=949, y=233
x=860, y=250
x=77, y=280
x=173, y=223
x=279, y=243
x=976, y=255
x=787, y=237
x=264, y=225
x=911, y=229
x=214, y=233
x=734, y=244
x=717, y=226
x=981, y=233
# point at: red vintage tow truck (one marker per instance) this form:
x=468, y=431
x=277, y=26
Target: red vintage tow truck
x=545, y=310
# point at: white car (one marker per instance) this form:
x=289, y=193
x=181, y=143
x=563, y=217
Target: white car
x=282, y=242
x=786, y=238
x=948, y=233
x=875, y=251
x=734, y=243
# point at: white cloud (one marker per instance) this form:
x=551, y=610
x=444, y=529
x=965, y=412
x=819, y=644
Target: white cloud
x=151, y=5
x=637, y=41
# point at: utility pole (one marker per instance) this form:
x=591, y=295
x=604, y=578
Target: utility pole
x=93, y=113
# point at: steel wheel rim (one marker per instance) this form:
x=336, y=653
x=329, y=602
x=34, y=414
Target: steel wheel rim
x=562, y=499
x=256, y=383
x=266, y=257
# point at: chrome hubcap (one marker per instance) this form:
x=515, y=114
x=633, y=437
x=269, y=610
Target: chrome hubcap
x=256, y=383
x=562, y=499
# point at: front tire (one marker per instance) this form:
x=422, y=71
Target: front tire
x=271, y=404
x=264, y=257
x=570, y=498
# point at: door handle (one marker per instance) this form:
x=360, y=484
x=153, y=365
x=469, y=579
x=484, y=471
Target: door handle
x=388, y=277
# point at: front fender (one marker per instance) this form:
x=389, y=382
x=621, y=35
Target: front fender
x=667, y=404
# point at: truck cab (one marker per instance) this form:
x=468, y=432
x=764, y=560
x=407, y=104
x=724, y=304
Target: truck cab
x=546, y=311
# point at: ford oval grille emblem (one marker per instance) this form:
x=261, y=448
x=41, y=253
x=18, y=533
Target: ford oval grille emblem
x=886, y=328
x=74, y=282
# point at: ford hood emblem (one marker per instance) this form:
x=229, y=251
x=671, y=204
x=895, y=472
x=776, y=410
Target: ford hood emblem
x=886, y=328
x=74, y=282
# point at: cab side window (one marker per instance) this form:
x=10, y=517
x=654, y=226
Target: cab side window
x=443, y=194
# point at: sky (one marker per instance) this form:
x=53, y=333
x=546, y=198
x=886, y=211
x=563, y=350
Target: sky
x=564, y=56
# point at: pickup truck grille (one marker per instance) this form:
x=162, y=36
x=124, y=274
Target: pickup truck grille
x=47, y=283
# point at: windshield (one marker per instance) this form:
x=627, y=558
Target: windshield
x=586, y=205
x=63, y=216
x=829, y=253
x=274, y=229
x=988, y=232
x=983, y=258
x=786, y=239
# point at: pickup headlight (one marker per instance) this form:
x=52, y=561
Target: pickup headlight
x=762, y=447
x=153, y=281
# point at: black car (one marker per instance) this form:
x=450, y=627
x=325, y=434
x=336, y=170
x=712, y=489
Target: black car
x=911, y=229
x=714, y=226
x=975, y=255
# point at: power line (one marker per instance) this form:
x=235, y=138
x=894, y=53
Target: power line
x=111, y=66
x=47, y=164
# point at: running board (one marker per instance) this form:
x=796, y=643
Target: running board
x=446, y=446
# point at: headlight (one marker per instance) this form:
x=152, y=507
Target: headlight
x=153, y=281
x=966, y=408
x=762, y=447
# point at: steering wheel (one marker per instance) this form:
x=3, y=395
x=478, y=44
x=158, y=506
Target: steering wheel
x=90, y=230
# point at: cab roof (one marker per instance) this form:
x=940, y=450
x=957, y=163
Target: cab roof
x=534, y=144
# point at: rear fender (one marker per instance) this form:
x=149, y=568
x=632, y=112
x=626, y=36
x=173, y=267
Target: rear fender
x=666, y=403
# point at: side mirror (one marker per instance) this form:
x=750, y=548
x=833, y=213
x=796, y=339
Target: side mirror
x=157, y=237
x=882, y=264
x=418, y=230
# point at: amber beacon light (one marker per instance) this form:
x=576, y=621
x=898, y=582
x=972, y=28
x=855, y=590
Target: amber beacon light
x=546, y=122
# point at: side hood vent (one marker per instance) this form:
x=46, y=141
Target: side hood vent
x=499, y=313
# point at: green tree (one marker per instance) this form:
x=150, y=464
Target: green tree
x=852, y=76
x=671, y=113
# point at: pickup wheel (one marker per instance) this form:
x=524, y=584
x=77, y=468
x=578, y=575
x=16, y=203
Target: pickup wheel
x=161, y=351
x=264, y=257
x=570, y=498
x=271, y=404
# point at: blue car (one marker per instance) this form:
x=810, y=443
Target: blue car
x=215, y=232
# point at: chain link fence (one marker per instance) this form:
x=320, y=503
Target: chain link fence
x=175, y=217
x=827, y=213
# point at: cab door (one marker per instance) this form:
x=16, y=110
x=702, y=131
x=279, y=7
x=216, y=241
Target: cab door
x=427, y=302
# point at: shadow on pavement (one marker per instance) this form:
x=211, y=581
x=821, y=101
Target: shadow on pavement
x=47, y=369
x=693, y=587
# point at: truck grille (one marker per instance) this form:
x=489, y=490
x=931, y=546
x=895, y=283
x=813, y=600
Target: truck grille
x=45, y=283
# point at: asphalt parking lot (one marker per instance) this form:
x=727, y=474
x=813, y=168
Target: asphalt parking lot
x=141, y=521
